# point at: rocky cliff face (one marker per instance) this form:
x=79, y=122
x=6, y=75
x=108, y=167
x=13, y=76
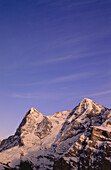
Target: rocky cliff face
x=75, y=139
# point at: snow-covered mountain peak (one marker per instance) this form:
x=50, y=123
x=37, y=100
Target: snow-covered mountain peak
x=65, y=140
x=85, y=105
x=86, y=100
x=33, y=110
x=90, y=105
x=29, y=121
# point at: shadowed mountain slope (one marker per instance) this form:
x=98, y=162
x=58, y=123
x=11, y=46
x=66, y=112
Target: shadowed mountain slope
x=74, y=139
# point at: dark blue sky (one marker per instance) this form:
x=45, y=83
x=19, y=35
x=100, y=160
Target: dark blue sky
x=52, y=54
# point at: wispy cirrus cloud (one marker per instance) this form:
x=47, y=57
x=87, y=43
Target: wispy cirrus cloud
x=29, y=96
x=70, y=77
x=37, y=95
x=48, y=95
x=77, y=76
x=54, y=60
x=101, y=93
x=75, y=56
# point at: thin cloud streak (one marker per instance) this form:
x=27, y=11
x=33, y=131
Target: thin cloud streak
x=100, y=93
x=73, y=57
x=55, y=95
x=28, y=96
x=38, y=96
x=72, y=77
x=53, y=60
x=96, y=94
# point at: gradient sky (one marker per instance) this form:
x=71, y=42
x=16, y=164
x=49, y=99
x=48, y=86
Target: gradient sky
x=52, y=55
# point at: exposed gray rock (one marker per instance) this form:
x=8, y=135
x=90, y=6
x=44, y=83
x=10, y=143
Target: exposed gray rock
x=43, y=128
x=78, y=139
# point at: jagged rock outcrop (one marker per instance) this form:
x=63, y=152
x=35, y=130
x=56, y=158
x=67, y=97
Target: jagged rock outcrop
x=75, y=139
x=43, y=128
x=10, y=142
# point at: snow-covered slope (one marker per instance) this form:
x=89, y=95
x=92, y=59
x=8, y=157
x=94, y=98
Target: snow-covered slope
x=75, y=139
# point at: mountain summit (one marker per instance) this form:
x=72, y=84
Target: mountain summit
x=74, y=139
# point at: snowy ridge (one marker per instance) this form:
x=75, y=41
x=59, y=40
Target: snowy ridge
x=64, y=139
